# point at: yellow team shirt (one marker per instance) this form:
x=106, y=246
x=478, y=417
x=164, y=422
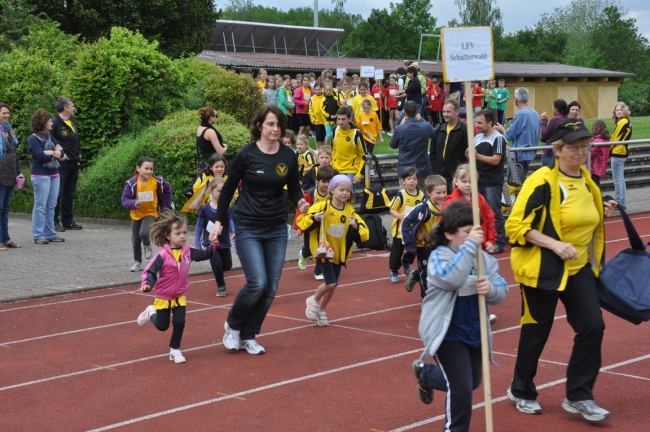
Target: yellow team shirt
x=402, y=204
x=358, y=100
x=579, y=217
x=348, y=149
x=316, y=111
x=449, y=129
x=426, y=225
x=69, y=123
x=306, y=160
x=346, y=98
x=147, y=208
x=369, y=123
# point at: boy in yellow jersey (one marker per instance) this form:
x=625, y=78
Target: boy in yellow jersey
x=348, y=147
x=346, y=93
x=358, y=100
x=370, y=127
x=402, y=204
x=416, y=225
x=317, y=113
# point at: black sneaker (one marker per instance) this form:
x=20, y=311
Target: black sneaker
x=221, y=291
x=497, y=250
x=412, y=278
x=72, y=226
x=41, y=241
x=56, y=240
x=58, y=227
x=424, y=393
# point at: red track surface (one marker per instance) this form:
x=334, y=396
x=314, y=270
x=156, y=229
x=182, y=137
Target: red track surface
x=80, y=362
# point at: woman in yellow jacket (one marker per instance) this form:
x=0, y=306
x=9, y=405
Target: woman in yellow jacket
x=619, y=152
x=338, y=224
x=557, y=237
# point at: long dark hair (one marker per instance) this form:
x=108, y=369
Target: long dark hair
x=213, y=160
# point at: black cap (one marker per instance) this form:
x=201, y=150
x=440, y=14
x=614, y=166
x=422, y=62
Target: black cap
x=570, y=130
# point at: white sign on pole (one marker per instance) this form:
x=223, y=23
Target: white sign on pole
x=367, y=71
x=379, y=74
x=339, y=73
x=467, y=54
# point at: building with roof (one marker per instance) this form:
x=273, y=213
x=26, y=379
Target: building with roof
x=291, y=49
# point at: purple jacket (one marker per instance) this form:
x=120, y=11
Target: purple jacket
x=547, y=131
x=131, y=189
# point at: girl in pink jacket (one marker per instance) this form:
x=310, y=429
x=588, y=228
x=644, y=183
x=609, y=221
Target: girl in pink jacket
x=599, y=154
x=168, y=272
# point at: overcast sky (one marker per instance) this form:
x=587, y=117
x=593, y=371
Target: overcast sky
x=517, y=14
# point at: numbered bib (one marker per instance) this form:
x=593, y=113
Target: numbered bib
x=290, y=99
x=145, y=196
x=307, y=97
x=392, y=92
x=336, y=230
x=377, y=95
x=349, y=101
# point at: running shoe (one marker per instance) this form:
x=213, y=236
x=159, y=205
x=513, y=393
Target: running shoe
x=136, y=266
x=394, y=277
x=587, y=408
x=319, y=276
x=41, y=241
x=251, y=347
x=493, y=319
x=525, y=405
x=176, y=356
x=424, y=393
x=145, y=316
x=322, y=318
x=231, y=338
x=411, y=279
x=221, y=291
x=312, y=308
x=147, y=252
x=302, y=261
x=56, y=240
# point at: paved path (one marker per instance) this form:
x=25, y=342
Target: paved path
x=100, y=256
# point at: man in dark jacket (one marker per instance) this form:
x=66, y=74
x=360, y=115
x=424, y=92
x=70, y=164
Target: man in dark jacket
x=412, y=139
x=66, y=133
x=449, y=144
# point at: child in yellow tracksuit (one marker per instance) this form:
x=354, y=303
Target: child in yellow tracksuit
x=317, y=114
x=338, y=224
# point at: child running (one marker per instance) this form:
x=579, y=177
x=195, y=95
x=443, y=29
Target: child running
x=337, y=223
x=221, y=260
x=370, y=127
x=324, y=158
x=415, y=226
x=317, y=114
x=198, y=194
x=404, y=201
x=330, y=107
x=145, y=195
x=306, y=156
x=168, y=274
x=449, y=322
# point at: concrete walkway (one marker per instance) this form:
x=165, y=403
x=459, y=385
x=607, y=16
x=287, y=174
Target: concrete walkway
x=100, y=255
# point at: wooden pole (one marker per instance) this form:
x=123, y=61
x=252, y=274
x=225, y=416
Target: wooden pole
x=487, y=388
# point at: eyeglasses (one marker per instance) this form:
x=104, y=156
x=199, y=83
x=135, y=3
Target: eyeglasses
x=575, y=148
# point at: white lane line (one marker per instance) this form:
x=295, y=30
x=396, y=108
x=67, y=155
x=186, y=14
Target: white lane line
x=381, y=333
x=63, y=301
x=502, y=398
x=254, y=390
x=621, y=220
x=625, y=239
x=503, y=330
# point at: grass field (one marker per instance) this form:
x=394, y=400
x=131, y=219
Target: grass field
x=640, y=130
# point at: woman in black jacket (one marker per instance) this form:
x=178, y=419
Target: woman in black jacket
x=413, y=89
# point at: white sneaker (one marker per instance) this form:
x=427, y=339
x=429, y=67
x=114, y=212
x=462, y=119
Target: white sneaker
x=302, y=261
x=231, y=338
x=176, y=356
x=319, y=276
x=493, y=319
x=136, y=266
x=322, y=318
x=143, y=318
x=312, y=308
x=147, y=252
x=252, y=347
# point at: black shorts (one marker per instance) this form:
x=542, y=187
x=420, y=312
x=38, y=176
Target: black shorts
x=303, y=120
x=331, y=272
x=319, y=130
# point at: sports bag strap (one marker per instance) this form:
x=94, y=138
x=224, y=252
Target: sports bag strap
x=633, y=235
x=378, y=170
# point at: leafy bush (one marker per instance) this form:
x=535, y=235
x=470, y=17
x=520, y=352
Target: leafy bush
x=171, y=143
x=236, y=94
x=637, y=96
x=121, y=85
x=193, y=74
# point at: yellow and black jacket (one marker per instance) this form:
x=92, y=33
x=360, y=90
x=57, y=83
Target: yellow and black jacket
x=623, y=132
x=336, y=227
x=348, y=149
x=538, y=207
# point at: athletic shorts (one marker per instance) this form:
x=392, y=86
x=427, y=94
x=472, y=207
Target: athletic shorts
x=319, y=130
x=304, y=120
x=331, y=272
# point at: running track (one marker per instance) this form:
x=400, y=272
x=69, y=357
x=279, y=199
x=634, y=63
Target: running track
x=80, y=362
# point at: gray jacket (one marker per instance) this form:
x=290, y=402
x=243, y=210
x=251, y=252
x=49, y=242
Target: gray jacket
x=449, y=272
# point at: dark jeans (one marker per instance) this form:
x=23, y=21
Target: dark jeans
x=221, y=261
x=140, y=235
x=6, y=192
x=501, y=115
x=457, y=373
x=161, y=320
x=524, y=167
x=492, y=195
x=396, y=251
x=69, y=174
x=580, y=299
x=261, y=251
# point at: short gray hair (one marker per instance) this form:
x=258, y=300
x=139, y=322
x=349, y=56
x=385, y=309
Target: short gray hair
x=62, y=102
x=522, y=95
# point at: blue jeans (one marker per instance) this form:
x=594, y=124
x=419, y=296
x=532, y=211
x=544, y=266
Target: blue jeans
x=548, y=160
x=69, y=174
x=618, y=175
x=46, y=192
x=261, y=252
x=492, y=195
x=6, y=192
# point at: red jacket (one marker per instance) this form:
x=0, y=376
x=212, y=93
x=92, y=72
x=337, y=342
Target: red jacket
x=487, y=215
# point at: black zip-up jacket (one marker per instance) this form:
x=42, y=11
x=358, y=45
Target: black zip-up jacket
x=67, y=138
x=444, y=162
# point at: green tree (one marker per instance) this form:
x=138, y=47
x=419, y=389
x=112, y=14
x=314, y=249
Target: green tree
x=16, y=16
x=530, y=45
x=181, y=27
x=235, y=94
x=479, y=13
x=404, y=23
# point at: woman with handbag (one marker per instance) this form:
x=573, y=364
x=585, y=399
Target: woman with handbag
x=46, y=154
x=557, y=232
x=208, y=139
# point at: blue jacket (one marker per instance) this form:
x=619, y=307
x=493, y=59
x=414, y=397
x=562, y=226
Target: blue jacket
x=412, y=140
x=37, y=148
x=412, y=221
x=524, y=132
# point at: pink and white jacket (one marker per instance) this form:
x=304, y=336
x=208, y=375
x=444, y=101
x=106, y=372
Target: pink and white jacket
x=302, y=104
x=599, y=157
x=170, y=278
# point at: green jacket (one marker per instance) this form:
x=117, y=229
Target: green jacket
x=283, y=100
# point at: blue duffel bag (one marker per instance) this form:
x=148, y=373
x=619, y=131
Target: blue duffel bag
x=624, y=287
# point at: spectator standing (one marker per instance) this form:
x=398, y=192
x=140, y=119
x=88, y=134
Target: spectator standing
x=9, y=171
x=574, y=112
x=448, y=144
x=560, y=112
x=64, y=130
x=524, y=130
x=503, y=96
x=208, y=139
x=620, y=152
x=270, y=93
